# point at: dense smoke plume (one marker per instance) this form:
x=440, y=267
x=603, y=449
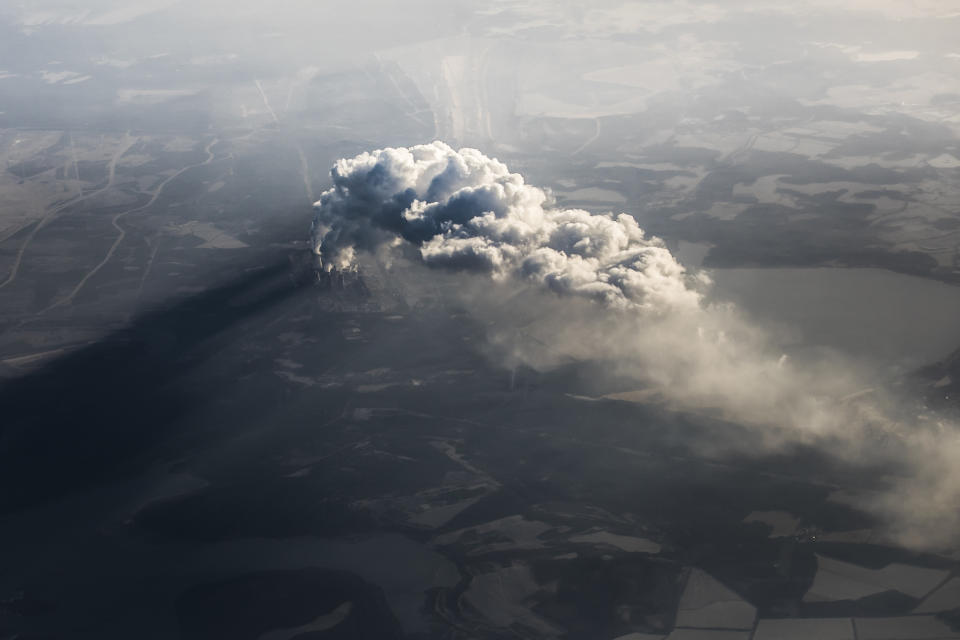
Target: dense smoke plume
x=596, y=287
x=467, y=212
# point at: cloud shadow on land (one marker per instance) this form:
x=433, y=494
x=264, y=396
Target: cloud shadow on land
x=88, y=416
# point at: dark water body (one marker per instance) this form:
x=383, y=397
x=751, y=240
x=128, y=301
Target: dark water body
x=887, y=317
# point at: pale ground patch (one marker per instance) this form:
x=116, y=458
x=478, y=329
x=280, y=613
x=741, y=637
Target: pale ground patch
x=813, y=188
x=438, y=505
x=148, y=183
x=294, y=378
x=884, y=206
x=23, y=145
x=917, y=216
x=945, y=381
x=180, y=143
x=914, y=235
x=884, y=56
x=777, y=142
x=725, y=143
x=782, y=524
x=807, y=141
x=212, y=237
x=910, y=96
x=708, y=634
x=520, y=532
x=653, y=17
x=63, y=77
x=652, y=166
x=764, y=189
x=21, y=205
x=449, y=449
x=164, y=486
x=593, y=194
x=833, y=130
x=536, y=103
x=909, y=161
x=811, y=147
x=221, y=58
x=707, y=603
x=151, y=96
x=944, y=161
x=32, y=358
x=25, y=199
x=658, y=75
x=694, y=64
x=692, y=254
x=438, y=516
x=854, y=536
x=944, y=250
x=116, y=63
x=805, y=629
x=941, y=193
x=372, y=388
x=802, y=217
x=648, y=17
x=838, y=580
x=134, y=160
x=682, y=183
x=683, y=215
x=320, y=623
x=905, y=628
x=629, y=544
x=81, y=15
x=943, y=599
x=725, y=210
x=501, y=596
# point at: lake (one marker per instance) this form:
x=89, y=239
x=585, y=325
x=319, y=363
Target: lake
x=889, y=317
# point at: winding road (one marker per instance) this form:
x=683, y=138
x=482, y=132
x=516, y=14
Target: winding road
x=111, y=176
x=122, y=232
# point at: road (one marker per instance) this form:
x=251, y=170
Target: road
x=122, y=233
x=52, y=214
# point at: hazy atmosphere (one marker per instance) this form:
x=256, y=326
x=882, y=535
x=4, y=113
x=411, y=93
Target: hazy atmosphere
x=516, y=319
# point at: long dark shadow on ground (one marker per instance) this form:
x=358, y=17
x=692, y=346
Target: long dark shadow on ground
x=85, y=417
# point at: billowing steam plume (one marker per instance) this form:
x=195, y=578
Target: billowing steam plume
x=597, y=287
x=467, y=212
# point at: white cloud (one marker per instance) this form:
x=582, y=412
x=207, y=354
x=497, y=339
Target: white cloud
x=466, y=211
